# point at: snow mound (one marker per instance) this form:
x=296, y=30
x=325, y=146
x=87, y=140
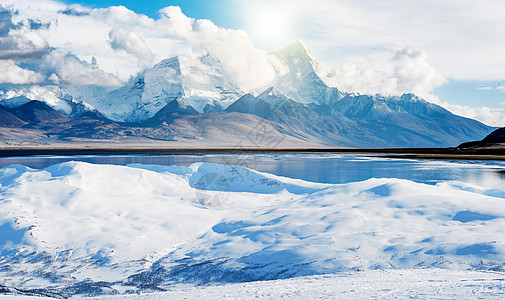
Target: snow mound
x=67, y=227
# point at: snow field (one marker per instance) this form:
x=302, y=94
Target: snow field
x=145, y=227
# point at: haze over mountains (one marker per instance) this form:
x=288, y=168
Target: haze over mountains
x=191, y=101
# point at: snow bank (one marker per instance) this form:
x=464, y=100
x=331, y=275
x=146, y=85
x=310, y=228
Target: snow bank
x=74, y=225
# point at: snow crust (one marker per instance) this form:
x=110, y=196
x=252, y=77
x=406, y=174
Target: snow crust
x=142, y=227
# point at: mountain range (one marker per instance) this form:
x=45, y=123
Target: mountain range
x=188, y=101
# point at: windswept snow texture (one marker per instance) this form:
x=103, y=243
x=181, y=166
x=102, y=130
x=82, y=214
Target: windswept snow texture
x=79, y=228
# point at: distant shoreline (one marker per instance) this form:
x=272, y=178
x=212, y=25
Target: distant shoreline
x=405, y=153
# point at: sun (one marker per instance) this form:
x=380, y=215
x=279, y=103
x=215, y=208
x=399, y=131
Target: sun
x=269, y=27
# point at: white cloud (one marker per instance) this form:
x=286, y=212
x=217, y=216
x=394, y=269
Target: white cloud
x=12, y=73
x=489, y=116
x=485, y=88
x=22, y=45
x=407, y=71
x=414, y=73
x=69, y=69
x=501, y=88
x=132, y=43
x=100, y=33
x=251, y=68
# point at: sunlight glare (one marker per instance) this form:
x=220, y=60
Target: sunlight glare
x=271, y=28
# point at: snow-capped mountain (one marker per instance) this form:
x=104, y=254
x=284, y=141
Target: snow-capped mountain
x=201, y=82
x=302, y=82
x=301, y=121
x=409, y=120
x=71, y=100
x=364, y=121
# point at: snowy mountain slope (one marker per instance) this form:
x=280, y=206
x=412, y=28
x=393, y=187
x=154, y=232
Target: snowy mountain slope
x=200, y=82
x=71, y=100
x=365, y=121
x=68, y=230
x=301, y=82
x=385, y=284
x=301, y=121
x=17, y=95
x=409, y=121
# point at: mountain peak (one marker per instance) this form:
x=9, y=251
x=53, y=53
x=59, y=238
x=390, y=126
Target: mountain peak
x=296, y=49
x=15, y=102
x=302, y=82
x=172, y=63
x=272, y=91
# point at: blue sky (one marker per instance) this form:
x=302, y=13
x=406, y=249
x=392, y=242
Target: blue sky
x=449, y=52
x=219, y=11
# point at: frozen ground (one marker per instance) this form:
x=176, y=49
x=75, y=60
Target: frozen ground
x=83, y=229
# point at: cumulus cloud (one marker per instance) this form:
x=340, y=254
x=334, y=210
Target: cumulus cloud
x=66, y=68
x=124, y=42
x=18, y=41
x=132, y=43
x=22, y=44
x=250, y=67
x=414, y=73
x=407, y=71
x=489, y=116
x=12, y=73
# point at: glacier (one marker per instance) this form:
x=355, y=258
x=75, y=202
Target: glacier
x=84, y=229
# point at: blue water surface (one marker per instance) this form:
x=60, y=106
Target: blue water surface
x=324, y=168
